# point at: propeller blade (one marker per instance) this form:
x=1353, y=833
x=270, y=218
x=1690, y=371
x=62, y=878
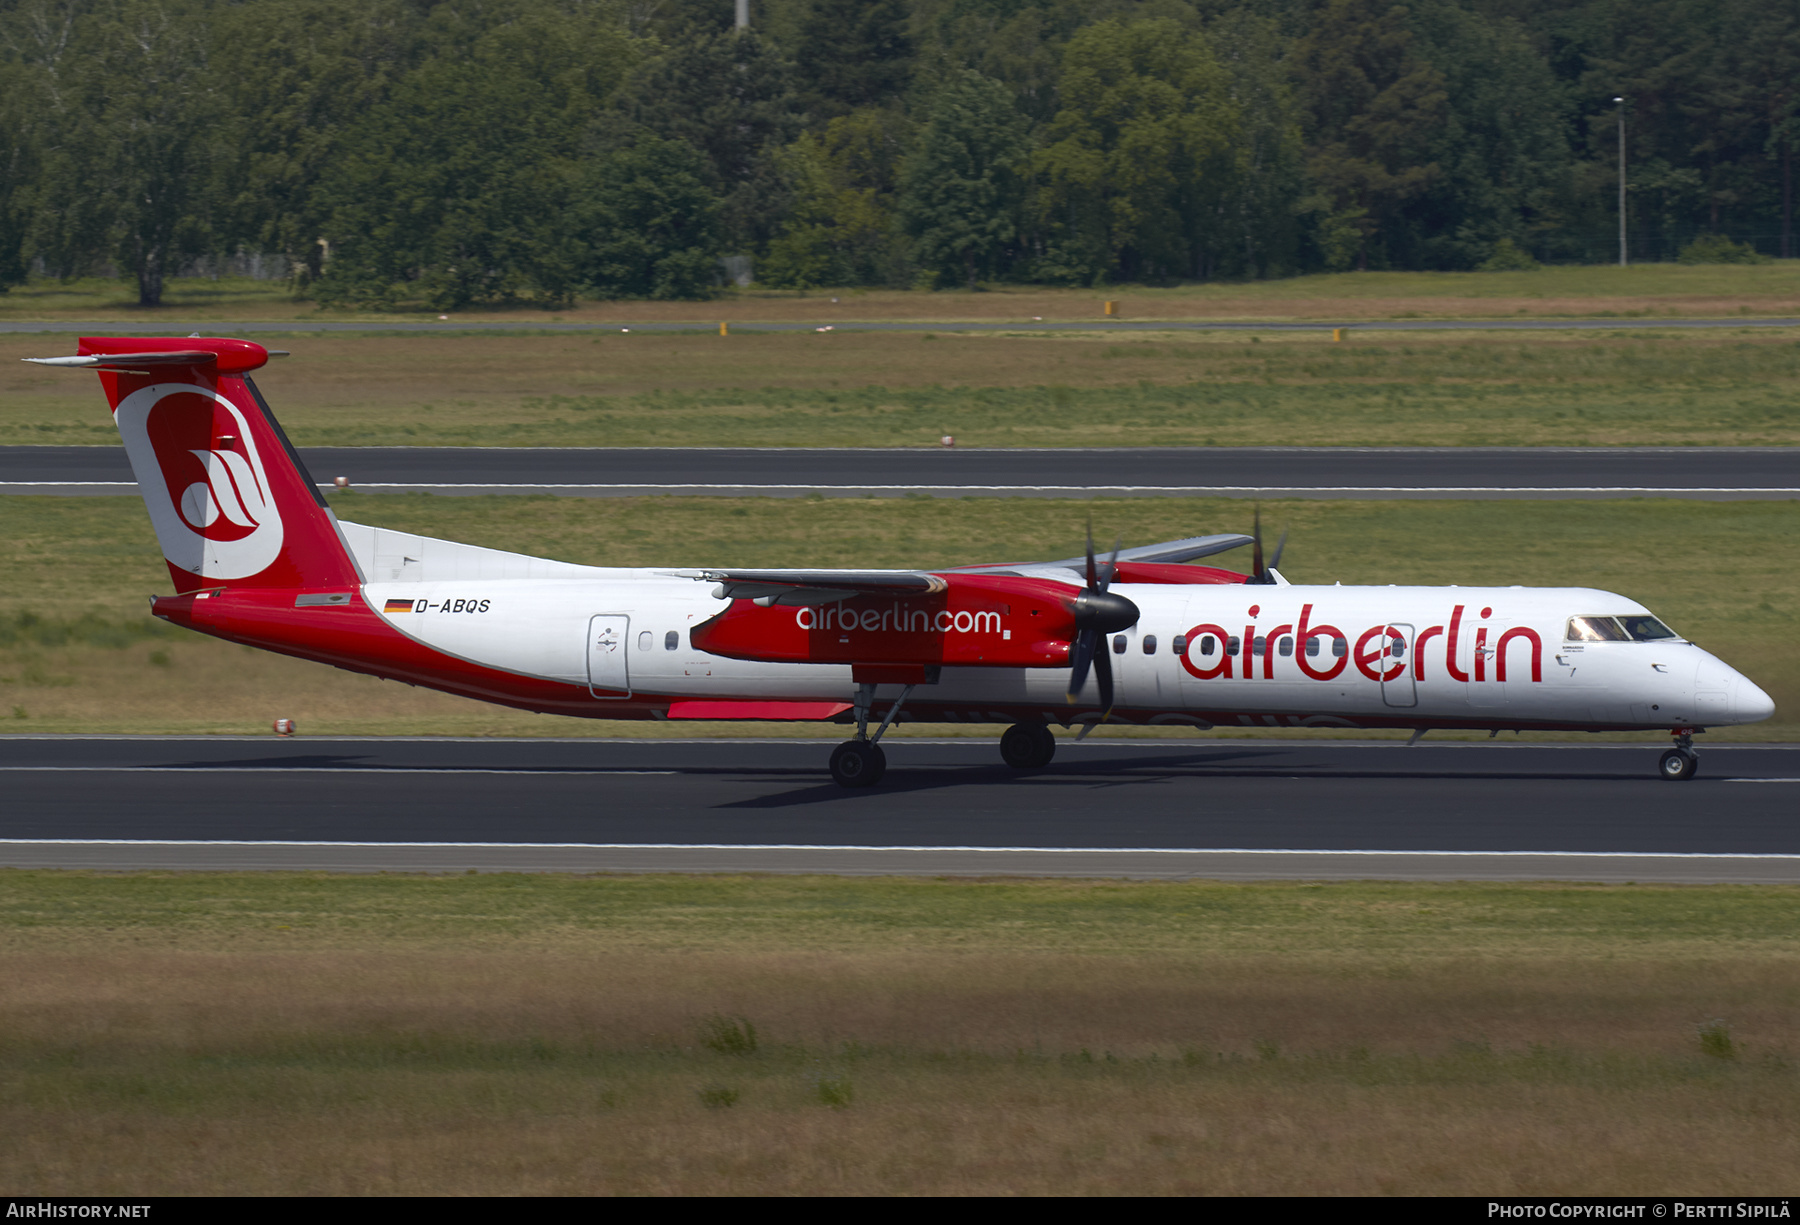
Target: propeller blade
x=1081, y=654
x=1090, y=554
x=1281, y=544
x=1256, y=558
x=1103, y=675
x=1112, y=565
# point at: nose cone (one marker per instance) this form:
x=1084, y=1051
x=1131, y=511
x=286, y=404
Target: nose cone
x=1749, y=704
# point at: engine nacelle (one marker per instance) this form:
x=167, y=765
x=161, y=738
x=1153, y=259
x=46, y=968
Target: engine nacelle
x=976, y=621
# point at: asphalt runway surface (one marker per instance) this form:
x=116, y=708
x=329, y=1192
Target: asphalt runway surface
x=1711, y=473
x=523, y=324
x=1175, y=808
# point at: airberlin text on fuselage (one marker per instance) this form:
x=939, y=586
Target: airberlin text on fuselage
x=1380, y=652
x=898, y=619
x=1372, y=653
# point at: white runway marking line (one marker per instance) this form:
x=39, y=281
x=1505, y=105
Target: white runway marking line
x=344, y=769
x=776, y=846
x=1169, y=489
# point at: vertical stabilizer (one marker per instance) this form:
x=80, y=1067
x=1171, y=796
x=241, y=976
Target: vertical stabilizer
x=231, y=502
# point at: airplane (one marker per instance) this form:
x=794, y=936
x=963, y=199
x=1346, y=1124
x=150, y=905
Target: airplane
x=257, y=556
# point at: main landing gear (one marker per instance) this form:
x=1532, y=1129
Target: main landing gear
x=1679, y=763
x=860, y=762
x=1027, y=746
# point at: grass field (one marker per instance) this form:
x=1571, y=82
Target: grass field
x=1652, y=388
x=1646, y=290
x=284, y=1034
x=79, y=652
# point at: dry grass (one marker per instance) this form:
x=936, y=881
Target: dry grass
x=1734, y=387
x=1599, y=290
x=305, y=1035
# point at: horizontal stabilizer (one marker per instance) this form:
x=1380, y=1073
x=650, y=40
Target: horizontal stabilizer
x=120, y=361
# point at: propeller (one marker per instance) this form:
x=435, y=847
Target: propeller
x=1259, y=573
x=1098, y=612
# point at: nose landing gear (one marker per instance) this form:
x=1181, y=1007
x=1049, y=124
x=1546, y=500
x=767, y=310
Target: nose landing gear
x=1679, y=763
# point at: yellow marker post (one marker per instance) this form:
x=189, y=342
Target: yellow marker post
x=1112, y=308
x=722, y=328
x=1337, y=336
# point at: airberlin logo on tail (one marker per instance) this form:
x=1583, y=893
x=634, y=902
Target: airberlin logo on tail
x=230, y=492
x=211, y=504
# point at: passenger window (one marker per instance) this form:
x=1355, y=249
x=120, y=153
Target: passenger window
x=1179, y=646
x=1285, y=646
x=1340, y=647
x=1149, y=644
x=1312, y=646
x=644, y=641
x=1119, y=644
x=1259, y=648
x=671, y=640
x=1396, y=647
x=1231, y=645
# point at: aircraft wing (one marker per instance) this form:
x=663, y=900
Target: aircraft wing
x=800, y=588
x=1169, y=551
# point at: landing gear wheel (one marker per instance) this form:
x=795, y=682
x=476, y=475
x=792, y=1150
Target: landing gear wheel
x=1678, y=765
x=857, y=763
x=1027, y=746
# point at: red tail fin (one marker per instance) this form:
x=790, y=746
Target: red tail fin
x=231, y=502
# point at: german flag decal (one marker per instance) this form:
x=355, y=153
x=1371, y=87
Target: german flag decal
x=397, y=606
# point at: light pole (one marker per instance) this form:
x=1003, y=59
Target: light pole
x=1621, y=102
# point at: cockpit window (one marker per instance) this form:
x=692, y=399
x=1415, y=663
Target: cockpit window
x=1594, y=629
x=1646, y=629
x=1618, y=629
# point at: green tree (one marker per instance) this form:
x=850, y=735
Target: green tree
x=1503, y=149
x=844, y=184
x=1139, y=163
x=729, y=95
x=316, y=69
x=1764, y=65
x=1258, y=233
x=853, y=53
x=1374, y=110
x=962, y=185
x=135, y=138
x=648, y=223
x=18, y=174
x=457, y=190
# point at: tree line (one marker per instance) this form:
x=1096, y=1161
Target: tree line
x=447, y=153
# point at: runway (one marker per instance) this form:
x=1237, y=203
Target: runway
x=1708, y=473
x=1176, y=808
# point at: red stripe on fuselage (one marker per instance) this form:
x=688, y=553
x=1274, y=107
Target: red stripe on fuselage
x=351, y=636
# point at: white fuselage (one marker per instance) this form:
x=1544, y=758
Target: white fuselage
x=1373, y=656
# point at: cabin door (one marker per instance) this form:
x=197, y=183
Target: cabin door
x=608, y=642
